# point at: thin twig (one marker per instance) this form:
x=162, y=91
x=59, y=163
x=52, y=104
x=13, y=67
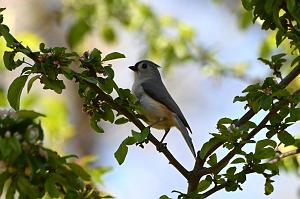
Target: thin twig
x=284, y=155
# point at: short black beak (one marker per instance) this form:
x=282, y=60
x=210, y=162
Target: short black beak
x=134, y=68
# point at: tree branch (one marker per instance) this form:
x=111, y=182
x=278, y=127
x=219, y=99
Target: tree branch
x=103, y=96
x=199, y=170
x=284, y=155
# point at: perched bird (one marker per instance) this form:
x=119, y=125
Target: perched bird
x=158, y=107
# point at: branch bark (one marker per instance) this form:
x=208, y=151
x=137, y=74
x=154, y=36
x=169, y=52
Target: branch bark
x=284, y=155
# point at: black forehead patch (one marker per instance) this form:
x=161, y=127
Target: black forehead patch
x=148, y=63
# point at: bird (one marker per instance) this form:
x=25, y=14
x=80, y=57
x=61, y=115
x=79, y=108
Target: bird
x=157, y=106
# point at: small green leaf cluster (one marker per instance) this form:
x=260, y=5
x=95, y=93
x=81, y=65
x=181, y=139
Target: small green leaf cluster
x=95, y=78
x=31, y=170
x=278, y=14
x=97, y=75
x=262, y=96
x=230, y=135
x=275, y=63
x=136, y=138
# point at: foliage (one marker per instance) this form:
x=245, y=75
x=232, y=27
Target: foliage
x=31, y=170
x=104, y=100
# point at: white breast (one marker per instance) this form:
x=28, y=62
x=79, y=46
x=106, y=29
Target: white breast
x=153, y=110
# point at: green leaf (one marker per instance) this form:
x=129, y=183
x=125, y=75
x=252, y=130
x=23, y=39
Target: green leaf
x=121, y=120
x=204, y=184
x=108, y=71
x=266, y=102
x=254, y=105
x=91, y=80
x=4, y=31
x=121, y=152
x=55, y=85
x=230, y=172
x=225, y=120
x=265, y=61
x=108, y=33
x=130, y=140
x=291, y=5
x=268, y=6
x=238, y=160
x=107, y=85
x=15, y=146
x=241, y=177
x=253, y=87
x=28, y=114
x=4, y=176
x=108, y=114
x=95, y=55
x=77, y=32
x=113, y=55
x=239, y=99
x=281, y=93
x=276, y=8
x=140, y=137
x=212, y=160
x=10, y=193
x=15, y=90
x=51, y=188
x=286, y=138
x=9, y=62
x=26, y=188
x=276, y=58
x=164, y=197
x=30, y=82
x=79, y=171
x=265, y=153
x=268, y=187
x=208, y=146
x=294, y=115
x=94, y=125
x=261, y=144
x=71, y=194
x=280, y=36
x=296, y=60
x=247, y=4
x=270, y=133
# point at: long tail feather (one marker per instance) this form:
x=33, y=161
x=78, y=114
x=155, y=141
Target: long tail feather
x=185, y=135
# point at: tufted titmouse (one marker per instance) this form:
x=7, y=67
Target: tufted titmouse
x=158, y=107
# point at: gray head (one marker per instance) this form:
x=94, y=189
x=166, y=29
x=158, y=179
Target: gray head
x=146, y=69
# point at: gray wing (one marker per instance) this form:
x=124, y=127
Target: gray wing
x=158, y=91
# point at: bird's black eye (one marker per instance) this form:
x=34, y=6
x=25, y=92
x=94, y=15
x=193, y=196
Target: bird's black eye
x=144, y=66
